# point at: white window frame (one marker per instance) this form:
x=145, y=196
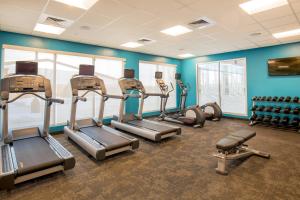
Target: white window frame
x=175, y=86
x=56, y=52
x=220, y=100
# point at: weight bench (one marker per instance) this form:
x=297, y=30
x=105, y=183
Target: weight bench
x=232, y=147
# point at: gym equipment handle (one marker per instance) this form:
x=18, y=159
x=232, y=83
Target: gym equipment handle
x=81, y=98
x=114, y=96
x=61, y=101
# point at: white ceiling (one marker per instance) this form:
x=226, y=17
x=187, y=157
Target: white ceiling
x=114, y=22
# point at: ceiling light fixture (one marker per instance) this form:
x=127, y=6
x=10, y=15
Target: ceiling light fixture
x=285, y=34
x=48, y=29
x=186, y=55
x=132, y=45
x=83, y=4
x=257, y=6
x=176, y=30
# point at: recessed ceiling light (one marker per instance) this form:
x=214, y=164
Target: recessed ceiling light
x=83, y=4
x=48, y=29
x=176, y=30
x=289, y=33
x=186, y=55
x=132, y=45
x=256, y=6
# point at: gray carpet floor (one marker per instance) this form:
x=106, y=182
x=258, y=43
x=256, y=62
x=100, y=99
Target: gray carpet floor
x=178, y=168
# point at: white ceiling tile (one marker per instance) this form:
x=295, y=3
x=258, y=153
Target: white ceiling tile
x=33, y=5
x=284, y=28
x=17, y=17
x=57, y=9
x=112, y=8
x=296, y=5
x=94, y=19
x=281, y=21
x=274, y=13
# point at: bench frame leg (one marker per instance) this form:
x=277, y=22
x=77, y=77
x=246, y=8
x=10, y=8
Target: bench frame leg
x=237, y=153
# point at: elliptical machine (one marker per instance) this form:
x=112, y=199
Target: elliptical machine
x=180, y=117
x=216, y=115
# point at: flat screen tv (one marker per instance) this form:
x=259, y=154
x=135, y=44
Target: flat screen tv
x=284, y=66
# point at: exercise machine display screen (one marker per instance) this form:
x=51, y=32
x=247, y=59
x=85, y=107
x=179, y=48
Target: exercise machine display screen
x=158, y=75
x=26, y=68
x=128, y=73
x=86, y=70
x=177, y=76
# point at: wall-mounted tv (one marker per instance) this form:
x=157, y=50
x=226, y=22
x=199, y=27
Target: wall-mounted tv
x=284, y=66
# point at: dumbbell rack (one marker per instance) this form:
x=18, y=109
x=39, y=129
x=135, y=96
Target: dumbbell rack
x=283, y=104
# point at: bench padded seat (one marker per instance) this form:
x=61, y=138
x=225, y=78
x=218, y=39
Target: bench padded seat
x=234, y=139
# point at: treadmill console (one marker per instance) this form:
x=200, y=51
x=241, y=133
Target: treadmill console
x=25, y=83
x=87, y=83
x=131, y=84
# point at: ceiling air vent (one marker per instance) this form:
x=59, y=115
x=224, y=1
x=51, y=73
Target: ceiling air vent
x=55, y=21
x=145, y=41
x=201, y=23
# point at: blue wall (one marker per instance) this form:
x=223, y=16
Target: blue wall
x=132, y=58
x=259, y=83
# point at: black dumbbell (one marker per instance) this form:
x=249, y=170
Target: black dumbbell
x=296, y=111
x=288, y=99
x=275, y=99
x=275, y=120
x=260, y=118
x=261, y=108
x=253, y=117
x=264, y=98
x=296, y=99
x=284, y=121
x=254, y=98
x=269, y=108
x=254, y=108
x=269, y=98
x=258, y=98
x=281, y=99
x=277, y=109
x=295, y=122
x=267, y=119
x=287, y=110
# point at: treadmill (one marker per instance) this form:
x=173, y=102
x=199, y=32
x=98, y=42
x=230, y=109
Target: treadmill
x=30, y=152
x=135, y=124
x=97, y=139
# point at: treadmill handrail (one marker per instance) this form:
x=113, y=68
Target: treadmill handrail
x=51, y=100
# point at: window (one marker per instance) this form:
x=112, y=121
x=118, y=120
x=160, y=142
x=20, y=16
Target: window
x=147, y=76
x=110, y=71
x=224, y=82
x=59, y=67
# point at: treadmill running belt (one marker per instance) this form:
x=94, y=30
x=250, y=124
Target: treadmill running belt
x=34, y=154
x=109, y=140
x=152, y=126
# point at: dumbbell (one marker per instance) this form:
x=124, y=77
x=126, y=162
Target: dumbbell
x=260, y=118
x=261, y=108
x=296, y=111
x=281, y=99
x=277, y=109
x=269, y=98
x=296, y=99
x=254, y=108
x=253, y=117
x=275, y=120
x=288, y=99
x=287, y=110
x=269, y=108
x=254, y=98
x=267, y=119
x=275, y=98
x=258, y=98
x=295, y=122
x=284, y=121
x=264, y=98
